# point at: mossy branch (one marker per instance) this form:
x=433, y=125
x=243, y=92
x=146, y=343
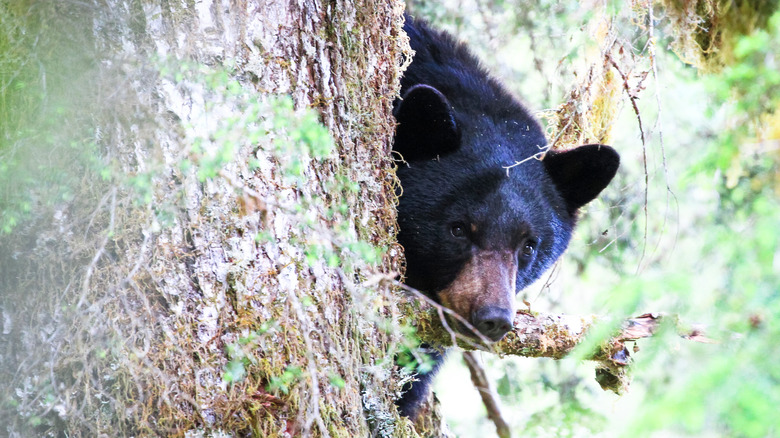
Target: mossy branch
x=550, y=335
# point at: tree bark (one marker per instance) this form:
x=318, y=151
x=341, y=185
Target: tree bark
x=205, y=275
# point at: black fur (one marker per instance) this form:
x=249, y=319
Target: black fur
x=458, y=131
x=415, y=392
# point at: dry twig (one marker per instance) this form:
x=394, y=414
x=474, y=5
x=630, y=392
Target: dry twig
x=489, y=399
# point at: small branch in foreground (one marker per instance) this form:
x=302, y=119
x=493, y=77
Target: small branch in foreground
x=489, y=399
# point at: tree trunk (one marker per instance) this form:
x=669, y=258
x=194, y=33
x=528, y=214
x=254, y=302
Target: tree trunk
x=198, y=268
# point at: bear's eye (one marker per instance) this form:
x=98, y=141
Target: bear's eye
x=528, y=248
x=458, y=229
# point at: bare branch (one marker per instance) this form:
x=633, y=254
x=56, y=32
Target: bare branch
x=633, y=96
x=489, y=399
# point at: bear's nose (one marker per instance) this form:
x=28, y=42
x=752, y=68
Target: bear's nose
x=493, y=322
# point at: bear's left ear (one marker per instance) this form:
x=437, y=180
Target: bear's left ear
x=580, y=174
x=426, y=125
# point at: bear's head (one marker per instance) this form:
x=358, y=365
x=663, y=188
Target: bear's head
x=475, y=231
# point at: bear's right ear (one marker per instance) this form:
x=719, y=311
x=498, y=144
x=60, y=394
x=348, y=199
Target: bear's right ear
x=426, y=125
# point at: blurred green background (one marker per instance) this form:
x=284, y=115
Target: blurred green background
x=704, y=245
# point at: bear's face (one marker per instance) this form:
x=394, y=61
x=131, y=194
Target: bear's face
x=474, y=232
x=473, y=244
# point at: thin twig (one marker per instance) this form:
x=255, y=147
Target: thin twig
x=633, y=98
x=537, y=156
x=562, y=131
x=651, y=43
x=441, y=310
x=99, y=253
x=489, y=398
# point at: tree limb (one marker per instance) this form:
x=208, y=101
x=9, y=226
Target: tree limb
x=548, y=335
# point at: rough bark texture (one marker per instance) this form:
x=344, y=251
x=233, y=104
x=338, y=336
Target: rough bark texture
x=212, y=280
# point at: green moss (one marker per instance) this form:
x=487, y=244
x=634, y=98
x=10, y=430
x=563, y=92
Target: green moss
x=707, y=30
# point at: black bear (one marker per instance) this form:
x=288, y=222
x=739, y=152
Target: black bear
x=475, y=230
